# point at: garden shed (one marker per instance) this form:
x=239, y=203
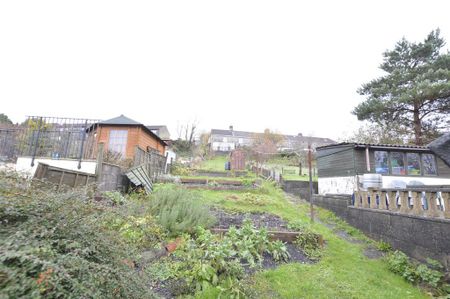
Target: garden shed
x=121, y=135
x=341, y=167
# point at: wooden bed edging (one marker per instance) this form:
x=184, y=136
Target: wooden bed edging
x=288, y=237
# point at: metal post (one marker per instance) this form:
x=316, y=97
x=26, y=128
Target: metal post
x=82, y=144
x=310, y=183
x=36, y=144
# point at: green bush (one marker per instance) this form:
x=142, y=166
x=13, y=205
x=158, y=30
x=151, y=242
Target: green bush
x=399, y=263
x=384, y=246
x=55, y=245
x=180, y=169
x=178, y=211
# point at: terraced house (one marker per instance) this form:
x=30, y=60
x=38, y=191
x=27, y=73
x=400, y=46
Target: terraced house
x=228, y=140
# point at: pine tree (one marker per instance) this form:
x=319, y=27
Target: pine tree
x=414, y=94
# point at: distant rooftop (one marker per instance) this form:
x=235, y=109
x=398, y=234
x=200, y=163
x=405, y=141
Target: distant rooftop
x=232, y=133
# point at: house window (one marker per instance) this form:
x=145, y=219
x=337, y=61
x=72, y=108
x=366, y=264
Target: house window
x=398, y=163
x=381, y=162
x=118, y=141
x=429, y=164
x=413, y=162
x=225, y=139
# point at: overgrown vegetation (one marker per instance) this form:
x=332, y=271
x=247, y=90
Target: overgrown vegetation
x=178, y=211
x=310, y=243
x=219, y=262
x=56, y=245
x=342, y=271
x=419, y=273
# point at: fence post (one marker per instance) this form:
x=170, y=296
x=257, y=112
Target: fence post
x=36, y=144
x=83, y=139
x=136, y=156
x=432, y=206
x=99, y=166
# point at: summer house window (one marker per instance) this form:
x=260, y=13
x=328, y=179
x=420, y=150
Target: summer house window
x=381, y=162
x=413, y=162
x=429, y=164
x=118, y=141
x=398, y=163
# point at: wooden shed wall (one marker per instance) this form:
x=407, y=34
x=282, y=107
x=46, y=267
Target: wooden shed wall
x=361, y=166
x=336, y=161
x=147, y=140
x=136, y=136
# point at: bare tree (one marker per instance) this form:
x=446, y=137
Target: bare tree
x=265, y=145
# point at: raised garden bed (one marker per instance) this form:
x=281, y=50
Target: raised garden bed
x=278, y=230
x=201, y=181
x=219, y=173
x=276, y=227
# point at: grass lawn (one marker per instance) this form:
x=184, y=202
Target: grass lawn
x=342, y=272
x=216, y=163
x=276, y=164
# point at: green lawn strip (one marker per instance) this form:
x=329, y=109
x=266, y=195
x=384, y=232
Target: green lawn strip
x=343, y=271
x=216, y=163
x=224, y=178
x=293, y=177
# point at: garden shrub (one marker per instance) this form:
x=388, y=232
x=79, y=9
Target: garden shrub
x=178, y=211
x=180, y=169
x=55, y=245
x=399, y=263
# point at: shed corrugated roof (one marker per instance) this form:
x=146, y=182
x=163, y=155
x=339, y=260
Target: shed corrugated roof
x=441, y=147
x=375, y=145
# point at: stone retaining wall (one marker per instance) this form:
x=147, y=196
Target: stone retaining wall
x=419, y=237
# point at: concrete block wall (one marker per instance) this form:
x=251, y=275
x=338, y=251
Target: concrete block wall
x=298, y=188
x=419, y=237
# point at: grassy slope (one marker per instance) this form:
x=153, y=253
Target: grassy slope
x=343, y=272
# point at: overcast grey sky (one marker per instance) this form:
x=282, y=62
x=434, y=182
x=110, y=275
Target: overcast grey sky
x=291, y=66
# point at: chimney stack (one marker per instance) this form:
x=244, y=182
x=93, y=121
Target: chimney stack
x=231, y=128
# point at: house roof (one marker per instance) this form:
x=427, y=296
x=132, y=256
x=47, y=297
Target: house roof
x=122, y=120
x=294, y=138
x=162, y=131
x=441, y=147
x=232, y=133
x=375, y=145
x=156, y=127
x=291, y=138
